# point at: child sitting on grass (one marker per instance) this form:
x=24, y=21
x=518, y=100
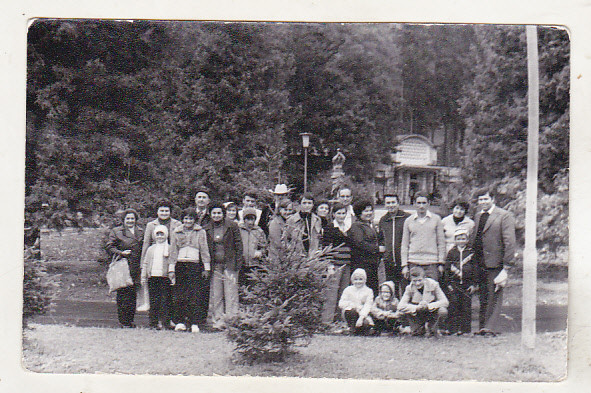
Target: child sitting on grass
x=460, y=277
x=424, y=303
x=356, y=302
x=384, y=308
x=155, y=265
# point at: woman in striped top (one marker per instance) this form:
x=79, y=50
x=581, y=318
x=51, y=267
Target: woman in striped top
x=339, y=271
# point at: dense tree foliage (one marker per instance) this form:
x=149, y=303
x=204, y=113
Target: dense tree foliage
x=124, y=113
x=495, y=106
x=281, y=306
x=436, y=66
x=495, y=111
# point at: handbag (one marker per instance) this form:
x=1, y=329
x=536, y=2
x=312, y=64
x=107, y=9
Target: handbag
x=118, y=275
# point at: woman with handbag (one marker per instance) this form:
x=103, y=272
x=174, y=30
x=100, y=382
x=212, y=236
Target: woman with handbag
x=126, y=241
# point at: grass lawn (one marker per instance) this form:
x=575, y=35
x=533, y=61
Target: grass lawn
x=74, y=258
x=65, y=349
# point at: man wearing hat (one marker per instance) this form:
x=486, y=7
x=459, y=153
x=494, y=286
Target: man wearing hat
x=460, y=281
x=280, y=193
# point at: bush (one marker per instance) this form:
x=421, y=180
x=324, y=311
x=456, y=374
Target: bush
x=552, y=217
x=37, y=285
x=281, y=309
x=552, y=213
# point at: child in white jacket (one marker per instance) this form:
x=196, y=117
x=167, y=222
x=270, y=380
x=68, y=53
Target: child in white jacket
x=356, y=302
x=157, y=274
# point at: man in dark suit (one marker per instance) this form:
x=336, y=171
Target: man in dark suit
x=494, y=247
x=390, y=235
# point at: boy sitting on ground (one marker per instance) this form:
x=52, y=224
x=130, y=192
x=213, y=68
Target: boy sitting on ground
x=384, y=308
x=356, y=302
x=424, y=303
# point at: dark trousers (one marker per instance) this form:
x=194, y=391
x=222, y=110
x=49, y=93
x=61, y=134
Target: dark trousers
x=203, y=307
x=394, y=274
x=160, y=298
x=188, y=293
x=385, y=325
x=460, y=311
x=351, y=316
x=490, y=301
x=422, y=317
x=126, y=298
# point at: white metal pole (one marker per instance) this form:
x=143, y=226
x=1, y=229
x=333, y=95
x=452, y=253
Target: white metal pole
x=305, y=170
x=530, y=256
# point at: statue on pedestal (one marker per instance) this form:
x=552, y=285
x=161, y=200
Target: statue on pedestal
x=338, y=175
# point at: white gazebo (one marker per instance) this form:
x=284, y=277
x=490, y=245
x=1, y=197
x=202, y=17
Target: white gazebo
x=413, y=168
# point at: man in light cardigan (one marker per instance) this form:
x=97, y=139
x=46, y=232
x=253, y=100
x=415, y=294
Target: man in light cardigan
x=423, y=241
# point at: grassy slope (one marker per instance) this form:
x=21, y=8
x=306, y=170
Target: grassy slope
x=61, y=349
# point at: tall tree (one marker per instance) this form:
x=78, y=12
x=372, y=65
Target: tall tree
x=342, y=88
x=83, y=121
x=495, y=105
x=436, y=63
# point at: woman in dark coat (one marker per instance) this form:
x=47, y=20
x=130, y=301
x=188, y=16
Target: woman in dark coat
x=364, y=243
x=126, y=241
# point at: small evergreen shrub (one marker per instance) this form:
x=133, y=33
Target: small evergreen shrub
x=37, y=285
x=281, y=309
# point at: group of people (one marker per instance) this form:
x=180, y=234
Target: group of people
x=431, y=266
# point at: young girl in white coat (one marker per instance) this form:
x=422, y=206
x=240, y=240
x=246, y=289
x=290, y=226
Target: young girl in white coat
x=356, y=302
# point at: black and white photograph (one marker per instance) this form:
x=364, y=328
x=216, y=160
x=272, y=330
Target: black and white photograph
x=339, y=202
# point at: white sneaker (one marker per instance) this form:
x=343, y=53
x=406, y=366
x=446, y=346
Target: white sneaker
x=180, y=327
x=194, y=329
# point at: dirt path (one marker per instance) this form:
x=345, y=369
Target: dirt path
x=104, y=314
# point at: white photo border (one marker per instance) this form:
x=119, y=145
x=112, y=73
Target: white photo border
x=16, y=16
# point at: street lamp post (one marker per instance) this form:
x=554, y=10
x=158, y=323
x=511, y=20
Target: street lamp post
x=305, y=144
